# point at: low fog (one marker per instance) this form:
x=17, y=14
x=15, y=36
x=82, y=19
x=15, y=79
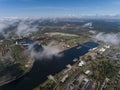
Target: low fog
x=19, y=27
x=48, y=51
x=23, y=27
x=113, y=38
x=89, y=24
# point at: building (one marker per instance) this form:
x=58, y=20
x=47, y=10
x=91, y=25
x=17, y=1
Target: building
x=102, y=50
x=64, y=78
x=81, y=63
x=88, y=72
x=106, y=46
x=88, y=86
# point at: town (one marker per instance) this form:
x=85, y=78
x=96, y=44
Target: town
x=92, y=71
x=78, y=59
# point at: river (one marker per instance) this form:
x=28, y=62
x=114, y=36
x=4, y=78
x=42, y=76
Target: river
x=42, y=68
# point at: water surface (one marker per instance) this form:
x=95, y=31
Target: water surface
x=42, y=68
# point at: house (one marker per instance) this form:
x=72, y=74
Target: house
x=88, y=72
x=81, y=63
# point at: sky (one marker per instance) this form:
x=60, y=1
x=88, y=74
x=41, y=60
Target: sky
x=58, y=8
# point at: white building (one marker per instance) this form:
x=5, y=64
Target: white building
x=106, y=46
x=102, y=50
x=16, y=43
x=81, y=63
x=88, y=72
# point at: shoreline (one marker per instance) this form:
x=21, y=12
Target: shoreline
x=16, y=78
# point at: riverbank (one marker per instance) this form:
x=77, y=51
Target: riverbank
x=19, y=76
x=42, y=68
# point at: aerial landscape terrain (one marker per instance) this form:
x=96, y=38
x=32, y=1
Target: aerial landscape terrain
x=42, y=48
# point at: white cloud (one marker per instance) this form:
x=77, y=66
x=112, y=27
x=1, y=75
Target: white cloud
x=113, y=38
x=23, y=26
x=48, y=51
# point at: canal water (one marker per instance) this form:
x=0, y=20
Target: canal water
x=42, y=68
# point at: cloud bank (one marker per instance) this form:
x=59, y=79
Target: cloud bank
x=19, y=27
x=113, y=38
x=89, y=24
x=48, y=51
